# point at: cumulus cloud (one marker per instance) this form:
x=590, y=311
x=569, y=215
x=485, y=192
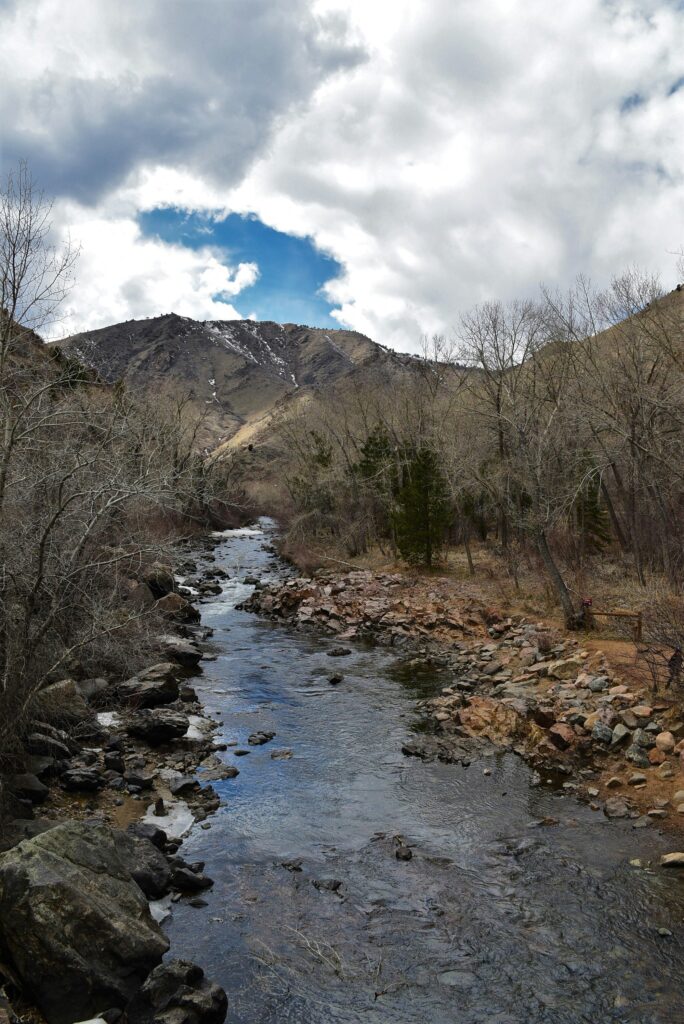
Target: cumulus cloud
x=484, y=148
x=124, y=276
x=94, y=90
x=443, y=152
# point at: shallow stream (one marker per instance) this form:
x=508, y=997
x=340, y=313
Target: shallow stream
x=496, y=919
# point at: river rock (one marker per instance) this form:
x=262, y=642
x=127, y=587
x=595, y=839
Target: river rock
x=339, y=652
x=665, y=741
x=159, y=579
x=92, y=689
x=155, y=686
x=185, y=652
x=562, y=735
x=178, y=609
x=644, y=739
x=153, y=834
x=602, y=733
x=257, y=739
x=488, y=717
x=82, y=780
x=178, y=993
x=61, y=703
x=147, y=865
x=44, y=745
x=186, y=880
x=75, y=924
x=621, y=734
x=28, y=787
x=638, y=756
x=615, y=807
x=672, y=860
x=564, y=668
x=158, y=725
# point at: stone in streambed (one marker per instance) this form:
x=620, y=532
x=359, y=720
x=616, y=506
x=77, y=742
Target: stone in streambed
x=75, y=924
x=178, y=993
x=155, y=686
x=82, y=780
x=257, y=739
x=672, y=860
x=615, y=807
x=158, y=725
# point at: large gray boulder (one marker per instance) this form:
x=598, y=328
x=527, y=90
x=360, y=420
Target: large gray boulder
x=155, y=686
x=74, y=924
x=158, y=725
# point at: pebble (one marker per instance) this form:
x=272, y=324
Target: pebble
x=672, y=860
x=637, y=779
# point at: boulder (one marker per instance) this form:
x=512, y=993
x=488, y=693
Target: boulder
x=488, y=717
x=91, y=689
x=184, y=652
x=178, y=993
x=140, y=597
x=61, y=703
x=28, y=787
x=82, y=780
x=149, y=689
x=154, y=835
x=178, y=609
x=158, y=725
x=147, y=865
x=159, y=579
x=74, y=923
x=43, y=745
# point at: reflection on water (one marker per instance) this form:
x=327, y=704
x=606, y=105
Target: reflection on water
x=494, y=919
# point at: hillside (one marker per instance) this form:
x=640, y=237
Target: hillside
x=238, y=372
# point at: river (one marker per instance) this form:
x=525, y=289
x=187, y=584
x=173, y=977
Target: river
x=496, y=918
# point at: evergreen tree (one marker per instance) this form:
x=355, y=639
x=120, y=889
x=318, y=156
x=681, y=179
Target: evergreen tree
x=423, y=510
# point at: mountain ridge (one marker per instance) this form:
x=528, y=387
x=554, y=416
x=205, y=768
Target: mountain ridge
x=237, y=372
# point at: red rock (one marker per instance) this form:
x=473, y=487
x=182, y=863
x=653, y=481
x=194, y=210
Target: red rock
x=562, y=735
x=656, y=756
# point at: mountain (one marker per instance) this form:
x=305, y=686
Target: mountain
x=238, y=372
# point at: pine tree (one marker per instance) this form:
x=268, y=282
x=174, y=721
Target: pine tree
x=423, y=510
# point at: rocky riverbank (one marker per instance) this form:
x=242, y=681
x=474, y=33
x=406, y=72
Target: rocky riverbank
x=517, y=684
x=108, y=792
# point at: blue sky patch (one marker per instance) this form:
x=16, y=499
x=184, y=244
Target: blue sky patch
x=291, y=270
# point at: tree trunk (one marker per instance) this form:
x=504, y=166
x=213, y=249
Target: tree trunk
x=466, y=545
x=617, y=525
x=555, y=577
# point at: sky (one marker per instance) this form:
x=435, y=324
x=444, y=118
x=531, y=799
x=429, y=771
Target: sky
x=379, y=166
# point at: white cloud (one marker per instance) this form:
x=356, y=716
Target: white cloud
x=482, y=149
x=123, y=276
x=479, y=149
